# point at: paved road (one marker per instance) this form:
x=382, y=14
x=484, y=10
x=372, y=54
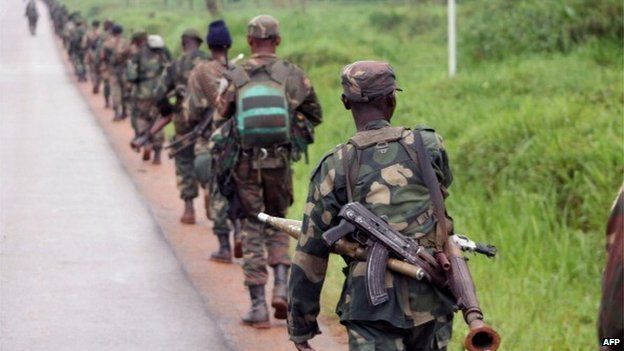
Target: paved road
x=82, y=264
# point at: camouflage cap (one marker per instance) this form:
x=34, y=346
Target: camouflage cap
x=139, y=34
x=364, y=81
x=262, y=27
x=192, y=33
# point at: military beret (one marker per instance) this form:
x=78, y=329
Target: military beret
x=218, y=34
x=262, y=27
x=95, y=23
x=364, y=81
x=192, y=33
x=117, y=29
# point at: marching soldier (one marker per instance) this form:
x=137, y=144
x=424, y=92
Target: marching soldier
x=377, y=169
x=143, y=72
x=115, y=54
x=33, y=15
x=262, y=173
x=92, y=41
x=173, y=83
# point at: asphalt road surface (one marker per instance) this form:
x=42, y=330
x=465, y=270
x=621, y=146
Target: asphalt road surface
x=82, y=264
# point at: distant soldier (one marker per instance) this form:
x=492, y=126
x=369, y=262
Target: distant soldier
x=33, y=16
x=172, y=86
x=206, y=83
x=265, y=97
x=101, y=63
x=115, y=54
x=611, y=319
x=144, y=70
x=378, y=168
x=92, y=42
x=78, y=48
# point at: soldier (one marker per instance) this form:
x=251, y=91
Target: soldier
x=144, y=70
x=33, y=15
x=115, y=54
x=101, y=66
x=203, y=91
x=77, y=48
x=92, y=41
x=384, y=176
x=262, y=175
x=173, y=82
x=610, y=321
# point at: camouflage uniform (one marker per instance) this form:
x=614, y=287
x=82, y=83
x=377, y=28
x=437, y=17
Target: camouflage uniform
x=610, y=321
x=144, y=69
x=203, y=93
x=269, y=190
x=388, y=182
x=33, y=15
x=92, y=41
x=115, y=52
x=174, y=80
x=77, y=48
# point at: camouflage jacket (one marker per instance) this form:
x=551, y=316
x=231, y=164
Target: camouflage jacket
x=299, y=91
x=144, y=70
x=610, y=321
x=115, y=53
x=204, y=86
x=92, y=40
x=175, y=76
x=388, y=183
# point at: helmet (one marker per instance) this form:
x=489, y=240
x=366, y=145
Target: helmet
x=155, y=42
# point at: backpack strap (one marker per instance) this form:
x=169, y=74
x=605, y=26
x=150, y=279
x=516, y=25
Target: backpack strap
x=421, y=157
x=237, y=75
x=279, y=71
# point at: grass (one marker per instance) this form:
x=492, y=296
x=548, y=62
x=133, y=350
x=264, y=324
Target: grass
x=535, y=140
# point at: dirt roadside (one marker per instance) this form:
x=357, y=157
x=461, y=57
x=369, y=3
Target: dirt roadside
x=220, y=285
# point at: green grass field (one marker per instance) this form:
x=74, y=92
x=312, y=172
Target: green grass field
x=535, y=139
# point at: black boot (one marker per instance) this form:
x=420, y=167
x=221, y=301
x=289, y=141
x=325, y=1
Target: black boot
x=280, y=291
x=258, y=315
x=223, y=254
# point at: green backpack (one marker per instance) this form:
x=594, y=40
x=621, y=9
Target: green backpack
x=262, y=115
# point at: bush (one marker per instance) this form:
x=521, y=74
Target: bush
x=508, y=27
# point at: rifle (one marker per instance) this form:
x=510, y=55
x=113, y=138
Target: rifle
x=144, y=137
x=189, y=139
x=371, y=234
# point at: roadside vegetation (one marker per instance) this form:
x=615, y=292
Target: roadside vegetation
x=533, y=123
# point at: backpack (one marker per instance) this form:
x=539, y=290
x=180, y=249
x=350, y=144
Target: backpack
x=262, y=114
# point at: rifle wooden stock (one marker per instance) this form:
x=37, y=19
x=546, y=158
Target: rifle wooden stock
x=481, y=337
x=342, y=246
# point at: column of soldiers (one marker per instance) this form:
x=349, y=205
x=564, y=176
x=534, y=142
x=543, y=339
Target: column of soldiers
x=238, y=127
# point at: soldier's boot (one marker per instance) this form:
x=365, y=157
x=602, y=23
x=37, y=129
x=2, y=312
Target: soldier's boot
x=280, y=291
x=117, y=116
x=106, y=101
x=258, y=315
x=96, y=89
x=147, y=152
x=124, y=112
x=238, y=242
x=223, y=254
x=188, y=217
x=156, y=160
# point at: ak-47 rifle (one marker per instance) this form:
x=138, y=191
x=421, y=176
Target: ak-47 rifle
x=144, y=137
x=189, y=139
x=374, y=240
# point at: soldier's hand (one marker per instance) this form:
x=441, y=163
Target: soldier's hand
x=303, y=346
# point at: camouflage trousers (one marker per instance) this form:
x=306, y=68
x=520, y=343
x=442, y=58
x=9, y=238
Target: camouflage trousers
x=270, y=192
x=382, y=336
x=145, y=113
x=79, y=64
x=216, y=204
x=185, y=173
x=117, y=93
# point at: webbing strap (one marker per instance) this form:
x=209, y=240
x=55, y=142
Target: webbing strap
x=431, y=181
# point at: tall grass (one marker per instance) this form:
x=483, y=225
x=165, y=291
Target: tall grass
x=535, y=139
